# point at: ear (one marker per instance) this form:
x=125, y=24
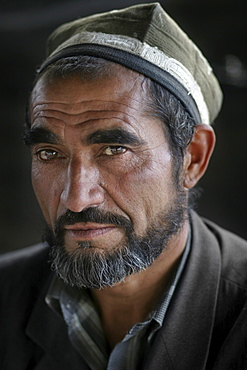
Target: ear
x=198, y=155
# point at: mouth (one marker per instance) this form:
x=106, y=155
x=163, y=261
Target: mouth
x=89, y=231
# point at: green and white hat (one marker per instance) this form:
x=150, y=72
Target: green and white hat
x=145, y=39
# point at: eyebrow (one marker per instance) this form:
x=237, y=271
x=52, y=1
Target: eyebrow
x=39, y=135
x=121, y=136
x=114, y=136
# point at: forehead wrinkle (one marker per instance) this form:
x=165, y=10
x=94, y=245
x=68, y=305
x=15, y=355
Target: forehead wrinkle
x=73, y=108
x=84, y=117
x=128, y=109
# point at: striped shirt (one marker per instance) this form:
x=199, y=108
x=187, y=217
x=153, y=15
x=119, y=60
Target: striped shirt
x=85, y=329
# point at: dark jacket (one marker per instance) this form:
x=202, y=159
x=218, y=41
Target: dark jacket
x=205, y=326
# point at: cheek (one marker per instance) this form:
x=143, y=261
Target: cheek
x=153, y=183
x=47, y=192
x=154, y=173
x=144, y=190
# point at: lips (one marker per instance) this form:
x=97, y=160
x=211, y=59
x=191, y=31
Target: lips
x=87, y=231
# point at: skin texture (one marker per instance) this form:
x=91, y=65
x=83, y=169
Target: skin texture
x=84, y=175
x=71, y=169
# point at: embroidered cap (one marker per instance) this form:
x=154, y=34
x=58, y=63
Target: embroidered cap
x=145, y=39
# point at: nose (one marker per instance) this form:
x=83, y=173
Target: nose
x=81, y=188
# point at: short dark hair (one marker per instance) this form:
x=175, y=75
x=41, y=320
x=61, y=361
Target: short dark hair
x=178, y=123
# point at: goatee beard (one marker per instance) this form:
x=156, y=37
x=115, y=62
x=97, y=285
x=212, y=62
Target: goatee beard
x=86, y=267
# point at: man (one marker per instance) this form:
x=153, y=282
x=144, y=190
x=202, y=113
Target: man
x=129, y=277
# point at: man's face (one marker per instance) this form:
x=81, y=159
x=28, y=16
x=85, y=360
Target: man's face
x=101, y=168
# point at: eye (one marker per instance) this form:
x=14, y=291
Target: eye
x=47, y=154
x=114, y=150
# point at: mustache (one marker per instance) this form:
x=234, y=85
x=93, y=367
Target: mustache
x=92, y=215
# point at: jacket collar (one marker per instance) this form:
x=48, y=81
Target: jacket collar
x=47, y=330
x=184, y=340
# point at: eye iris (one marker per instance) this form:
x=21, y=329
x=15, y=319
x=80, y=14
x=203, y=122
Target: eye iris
x=119, y=150
x=114, y=150
x=48, y=154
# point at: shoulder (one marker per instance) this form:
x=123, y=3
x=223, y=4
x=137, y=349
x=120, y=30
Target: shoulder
x=24, y=255
x=230, y=252
x=24, y=280
x=229, y=340
x=24, y=260
x=23, y=273
x=231, y=248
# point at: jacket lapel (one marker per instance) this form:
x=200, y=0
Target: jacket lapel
x=48, y=331
x=184, y=340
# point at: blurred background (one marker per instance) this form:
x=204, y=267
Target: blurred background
x=218, y=27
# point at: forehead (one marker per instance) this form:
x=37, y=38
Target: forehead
x=116, y=84
x=119, y=99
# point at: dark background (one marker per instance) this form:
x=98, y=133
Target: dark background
x=219, y=28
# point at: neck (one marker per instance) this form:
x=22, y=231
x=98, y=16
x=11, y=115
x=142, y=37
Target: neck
x=129, y=302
